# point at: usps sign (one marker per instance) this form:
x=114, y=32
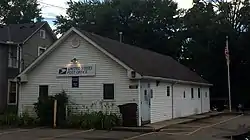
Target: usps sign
x=77, y=70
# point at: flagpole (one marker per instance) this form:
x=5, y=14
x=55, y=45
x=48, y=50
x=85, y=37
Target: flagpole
x=228, y=76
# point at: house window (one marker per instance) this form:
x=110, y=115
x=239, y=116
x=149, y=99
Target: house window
x=192, y=93
x=199, y=93
x=42, y=34
x=108, y=91
x=12, y=59
x=12, y=93
x=41, y=50
x=184, y=94
x=43, y=91
x=168, y=90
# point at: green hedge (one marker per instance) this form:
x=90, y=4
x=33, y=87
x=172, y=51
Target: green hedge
x=97, y=120
x=12, y=120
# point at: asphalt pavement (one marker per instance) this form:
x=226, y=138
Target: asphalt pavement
x=206, y=129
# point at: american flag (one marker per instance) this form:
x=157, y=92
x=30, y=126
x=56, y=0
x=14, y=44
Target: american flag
x=227, y=51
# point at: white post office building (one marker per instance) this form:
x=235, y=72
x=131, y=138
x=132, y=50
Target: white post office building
x=110, y=71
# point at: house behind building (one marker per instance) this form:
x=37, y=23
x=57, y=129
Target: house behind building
x=20, y=44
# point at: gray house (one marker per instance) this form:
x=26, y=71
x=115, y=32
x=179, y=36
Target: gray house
x=20, y=44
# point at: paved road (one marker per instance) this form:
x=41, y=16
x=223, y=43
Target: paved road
x=207, y=129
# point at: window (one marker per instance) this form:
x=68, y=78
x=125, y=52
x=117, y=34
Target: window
x=184, y=94
x=43, y=91
x=41, y=50
x=42, y=34
x=199, y=93
x=108, y=91
x=168, y=90
x=192, y=93
x=12, y=59
x=12, y=93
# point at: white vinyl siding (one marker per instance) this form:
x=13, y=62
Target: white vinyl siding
x=161, y=104
x=90, y=88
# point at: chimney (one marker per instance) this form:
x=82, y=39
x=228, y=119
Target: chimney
x=120, y=33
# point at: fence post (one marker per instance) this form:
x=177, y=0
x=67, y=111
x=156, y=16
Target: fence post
x=55, y=110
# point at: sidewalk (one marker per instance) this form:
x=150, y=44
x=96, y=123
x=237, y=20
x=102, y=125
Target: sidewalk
x=159, y=125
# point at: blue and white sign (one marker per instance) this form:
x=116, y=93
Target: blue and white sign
x=77, y=70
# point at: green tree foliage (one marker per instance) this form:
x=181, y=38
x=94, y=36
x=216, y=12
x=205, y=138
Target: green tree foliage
x=139, y=21
x=19, y=11
x=207, y=24
x=196, y=37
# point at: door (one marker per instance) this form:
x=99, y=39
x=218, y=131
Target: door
x=145, y=103
x=43, y=92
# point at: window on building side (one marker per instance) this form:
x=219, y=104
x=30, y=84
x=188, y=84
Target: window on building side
x=12, y=93
x=168, y=90
x=192, y=93
x=184, y=94
x=199, y=93
x=108, y=91
x=42, y=34
x=41, y=50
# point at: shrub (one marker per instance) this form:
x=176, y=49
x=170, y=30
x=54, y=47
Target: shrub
x=45, y=106
x=8, y=119
x=26, y=120
x=97, y=120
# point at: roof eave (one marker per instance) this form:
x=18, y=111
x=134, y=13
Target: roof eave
x=9, y=43
x=176, y=81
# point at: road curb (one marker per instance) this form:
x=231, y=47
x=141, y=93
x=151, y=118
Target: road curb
x=148, y=129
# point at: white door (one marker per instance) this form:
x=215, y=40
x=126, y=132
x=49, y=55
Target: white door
x=145, y=103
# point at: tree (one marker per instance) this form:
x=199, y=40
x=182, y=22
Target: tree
x=207, y=24
x=19, y=11
x=150, y=24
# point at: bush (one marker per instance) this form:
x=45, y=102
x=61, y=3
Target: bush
x=97, y=120
x=44, y=109
x=26, y=120
x=9, y=119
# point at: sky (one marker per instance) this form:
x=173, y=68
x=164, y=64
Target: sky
x=52, y=8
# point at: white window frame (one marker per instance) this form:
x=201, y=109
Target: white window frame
x=8, y=95
x=103, y=92
x=9, y=57
x=38, y=52
x=199, y=92
x=11, y=63
x=42, y=34
x=168, y=90
x=192, y=93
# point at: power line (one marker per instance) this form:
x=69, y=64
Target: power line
x=52, y=5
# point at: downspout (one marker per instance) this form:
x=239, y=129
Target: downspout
x=18, y=78
x=139, y=103
x=172, y=95
x=201, y=99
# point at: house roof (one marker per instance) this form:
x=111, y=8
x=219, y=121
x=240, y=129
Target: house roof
x=19, y=33
x=145, y=62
